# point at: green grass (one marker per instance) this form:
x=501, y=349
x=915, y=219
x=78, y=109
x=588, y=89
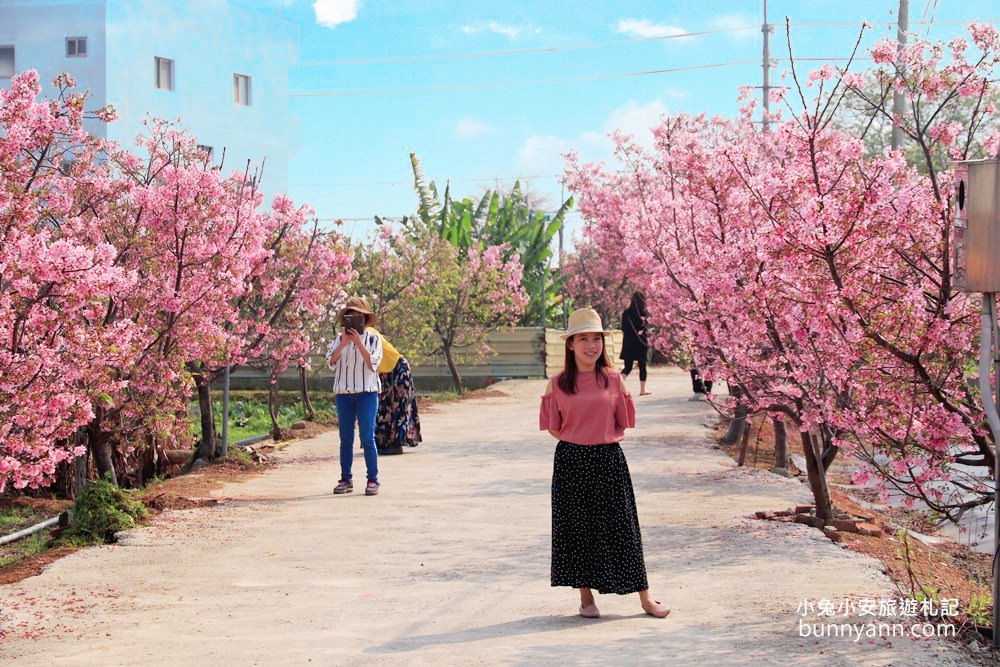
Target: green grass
x=13, y=519
x=248, y=415
x=440, y=396
x=25, y=548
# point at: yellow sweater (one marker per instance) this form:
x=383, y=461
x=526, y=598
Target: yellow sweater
x=390, y=355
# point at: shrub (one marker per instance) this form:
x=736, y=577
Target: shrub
x=102, y=509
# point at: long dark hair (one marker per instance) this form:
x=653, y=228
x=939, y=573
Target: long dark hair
x=639, y=303
x=567, y=380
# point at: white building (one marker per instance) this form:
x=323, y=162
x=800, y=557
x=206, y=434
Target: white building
x=221, y=70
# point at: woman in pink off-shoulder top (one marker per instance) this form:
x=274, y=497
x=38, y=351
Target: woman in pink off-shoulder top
x=596, y=541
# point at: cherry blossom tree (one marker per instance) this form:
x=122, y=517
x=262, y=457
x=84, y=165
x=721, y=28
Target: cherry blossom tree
x=599, y=277
x=306, y=273
x=128, y=278
x=57, y=362
x=818, y=277
x=437, y=300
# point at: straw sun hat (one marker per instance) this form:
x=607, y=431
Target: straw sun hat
x=358, y=306
x=584, y=320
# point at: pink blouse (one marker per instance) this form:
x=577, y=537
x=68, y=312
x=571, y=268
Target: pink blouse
x=594, y=415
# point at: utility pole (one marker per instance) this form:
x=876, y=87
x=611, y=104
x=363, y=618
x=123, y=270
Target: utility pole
x=765, y=63
x=562, y=223
x=902, y=26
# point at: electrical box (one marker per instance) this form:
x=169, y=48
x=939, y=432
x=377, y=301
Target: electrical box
x=976, y=229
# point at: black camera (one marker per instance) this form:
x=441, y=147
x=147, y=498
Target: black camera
x=355, y=321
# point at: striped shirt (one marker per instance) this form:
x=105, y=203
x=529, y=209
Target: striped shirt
x=351, y=374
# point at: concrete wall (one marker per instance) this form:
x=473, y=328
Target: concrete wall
x=208, y=41
x=521, y=352
x=555, y=350
x=38, y=30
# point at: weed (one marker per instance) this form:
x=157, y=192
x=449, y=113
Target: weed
x=980, y=610
x=14, y=518
x=26, y=548
x=102, y=509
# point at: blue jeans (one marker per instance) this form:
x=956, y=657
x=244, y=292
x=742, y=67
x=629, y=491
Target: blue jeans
x=363, y=408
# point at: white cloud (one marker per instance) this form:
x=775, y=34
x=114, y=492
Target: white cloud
x=509, y=31
x=636, y=119
x=729, y=21
x=543, y=154
x=331, y=13
x=471, y=128
x=646, y=29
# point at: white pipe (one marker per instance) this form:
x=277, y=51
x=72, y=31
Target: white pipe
x=13, y=537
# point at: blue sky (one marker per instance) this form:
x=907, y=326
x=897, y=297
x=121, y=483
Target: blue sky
x=477, y=120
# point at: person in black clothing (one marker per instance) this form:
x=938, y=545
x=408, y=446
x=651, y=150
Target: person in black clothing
x=635, y=344
x=701, y=386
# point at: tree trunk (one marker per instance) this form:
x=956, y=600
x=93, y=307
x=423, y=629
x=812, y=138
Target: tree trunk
x=308, y=413
x=780, y=445
x=817, y=477
x=830, y=450
x=456, y=379
x=272, y=409
x=71, y=476
x=99, y=446
x=739, y=420
x=206, y=448
x=743, y=445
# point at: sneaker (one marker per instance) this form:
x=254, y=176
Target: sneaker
x=344, y=486
x=696, y=397
x=372, y=488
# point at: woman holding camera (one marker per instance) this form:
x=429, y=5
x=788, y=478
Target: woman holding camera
x=354, y=356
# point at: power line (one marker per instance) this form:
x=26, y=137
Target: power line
x=381, y=60
x=825, y=60
x=514, y=52
x=510, y=84
x=395, y=218
x=857, y=24
x=410, y=182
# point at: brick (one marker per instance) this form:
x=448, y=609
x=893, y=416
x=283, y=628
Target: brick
x=805, y=509
x=809, y=520
x=870, y=529
x=846, y=525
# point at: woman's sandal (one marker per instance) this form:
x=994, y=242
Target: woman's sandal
x=659, y=610
x=590, y=611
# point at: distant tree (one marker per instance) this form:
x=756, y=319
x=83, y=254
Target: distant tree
x=506, y=219
x=440, y=301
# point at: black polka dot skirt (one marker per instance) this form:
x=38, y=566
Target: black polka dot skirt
x=596, y=542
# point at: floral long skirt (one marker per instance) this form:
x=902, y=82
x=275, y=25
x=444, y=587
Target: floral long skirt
x=397, y=424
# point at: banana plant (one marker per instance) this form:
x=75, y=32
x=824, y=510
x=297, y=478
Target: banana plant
x=498, y=218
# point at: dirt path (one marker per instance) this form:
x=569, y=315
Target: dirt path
x=449, y=564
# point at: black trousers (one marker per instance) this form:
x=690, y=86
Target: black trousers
x=699, y=385
x=642, y=368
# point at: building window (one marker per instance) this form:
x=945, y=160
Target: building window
x=6, y=62
x=164, y=73
x=241, y=89
x=76, y=47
